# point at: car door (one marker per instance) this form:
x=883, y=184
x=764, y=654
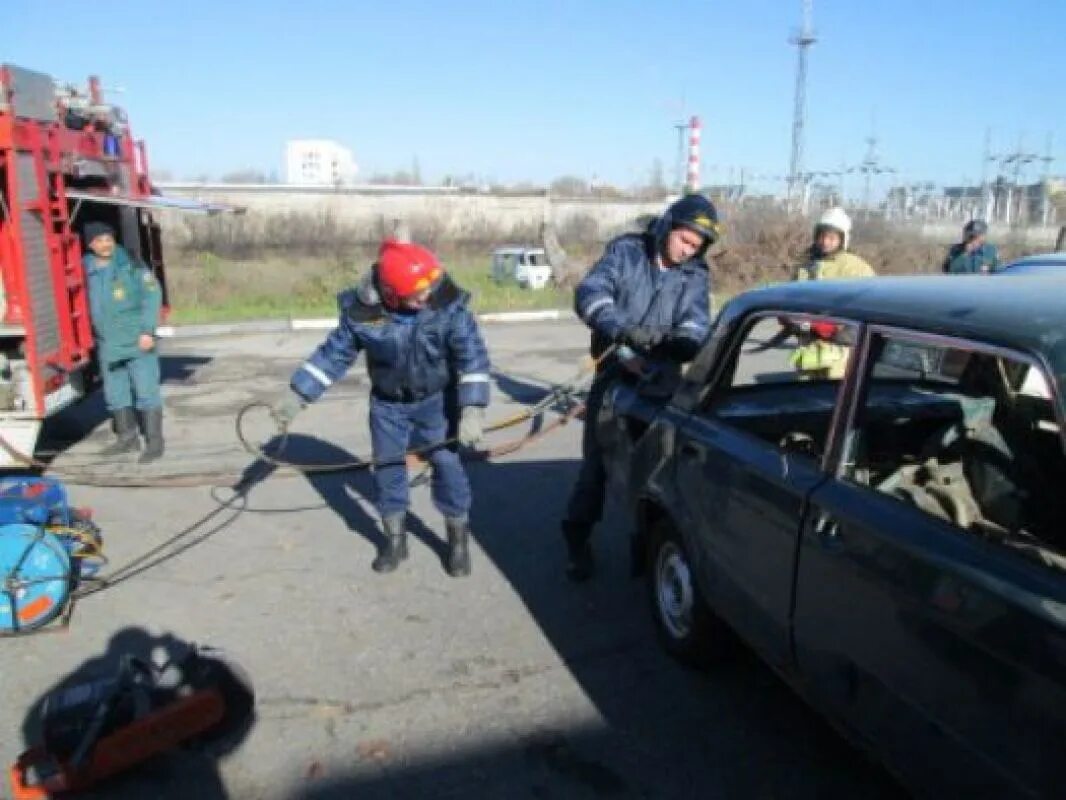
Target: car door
x=922, y=618
x=746, y=461
x=521, y=270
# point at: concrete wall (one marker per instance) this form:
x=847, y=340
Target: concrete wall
x=950, y=232
x=454, y=214
x=458, y=215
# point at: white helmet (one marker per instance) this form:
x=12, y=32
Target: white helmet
x=837, y=219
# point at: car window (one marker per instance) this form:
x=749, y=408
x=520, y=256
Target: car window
x=916, y=361
x=538, y=259
x=969, y=436
x=783, y=380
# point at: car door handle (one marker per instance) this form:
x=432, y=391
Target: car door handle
x=827, y=528
x=692, y=450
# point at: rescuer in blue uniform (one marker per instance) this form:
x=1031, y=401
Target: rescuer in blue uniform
x=124, y=304
x=421, y=342
x=649, y=294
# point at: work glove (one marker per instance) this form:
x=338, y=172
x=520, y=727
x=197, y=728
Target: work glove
x=284, y=411
x=642, y=338
x=680, y=348
x=471, y=426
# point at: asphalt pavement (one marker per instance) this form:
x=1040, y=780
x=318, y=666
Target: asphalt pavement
x=511, y=683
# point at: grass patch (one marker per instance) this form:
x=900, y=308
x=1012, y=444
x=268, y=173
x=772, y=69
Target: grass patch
x=206, y=288
x=252, y=308
x=488, y=296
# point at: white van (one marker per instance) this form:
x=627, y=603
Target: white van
x=527, y=266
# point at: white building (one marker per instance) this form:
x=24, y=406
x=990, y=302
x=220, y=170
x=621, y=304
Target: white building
x=318, y=162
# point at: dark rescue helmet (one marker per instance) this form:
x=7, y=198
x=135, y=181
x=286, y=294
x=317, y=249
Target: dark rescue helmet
x=697, y=213
x=974, y=228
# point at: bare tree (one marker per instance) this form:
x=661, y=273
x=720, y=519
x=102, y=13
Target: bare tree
x=247, y=175
x=400, y=177
x=564, y=271
x=401, y=230
x=570, y=186
x=657, y=180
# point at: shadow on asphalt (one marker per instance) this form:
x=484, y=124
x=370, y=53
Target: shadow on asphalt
x=188, y=771
x=665, y=731
x=79, y=421
x=660, y=731
x=349, y=494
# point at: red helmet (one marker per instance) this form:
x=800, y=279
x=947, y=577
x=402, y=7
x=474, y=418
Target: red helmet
x=824, y=330
x=405, y=270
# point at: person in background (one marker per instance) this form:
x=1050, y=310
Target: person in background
x=124, y=304
x=829, y=256
x=820, y=355
x=973, y=254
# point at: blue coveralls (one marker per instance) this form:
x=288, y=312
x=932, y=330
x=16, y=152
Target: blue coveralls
x=415, y=361
x=124, y=303
x=626, y=288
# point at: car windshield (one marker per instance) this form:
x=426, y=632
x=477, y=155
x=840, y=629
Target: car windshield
x=538, y=259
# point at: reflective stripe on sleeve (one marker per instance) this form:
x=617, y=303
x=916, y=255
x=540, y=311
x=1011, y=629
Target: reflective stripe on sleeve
x=317, y=374
x=597, y=304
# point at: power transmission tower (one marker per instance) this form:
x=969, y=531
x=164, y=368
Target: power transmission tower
x=870, y=165
x=803, y=41
x=1017, y=161
x=986, y=206
x=1045, y=199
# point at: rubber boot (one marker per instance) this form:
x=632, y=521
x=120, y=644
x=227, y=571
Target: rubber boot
x=395, y=548
x=458, y=560
x=153, y=435
x=579, y=563
x=126, y=439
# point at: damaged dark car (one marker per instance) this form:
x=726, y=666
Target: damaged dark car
x=893, y=541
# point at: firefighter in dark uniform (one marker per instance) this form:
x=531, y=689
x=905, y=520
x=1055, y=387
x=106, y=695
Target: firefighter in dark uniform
x=422, y=343
x=124, y=304
x=649, y=294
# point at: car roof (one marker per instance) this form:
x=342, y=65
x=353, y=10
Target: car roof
x=1022, y=265
x=1040, y=258
x=1027, y=315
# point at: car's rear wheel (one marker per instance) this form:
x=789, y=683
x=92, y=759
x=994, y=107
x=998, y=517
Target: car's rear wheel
x=687, y=628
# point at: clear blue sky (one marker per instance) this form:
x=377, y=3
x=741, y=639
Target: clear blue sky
x=516, y=91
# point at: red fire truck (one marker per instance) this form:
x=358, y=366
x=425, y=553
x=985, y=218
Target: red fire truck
x=67, y=158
